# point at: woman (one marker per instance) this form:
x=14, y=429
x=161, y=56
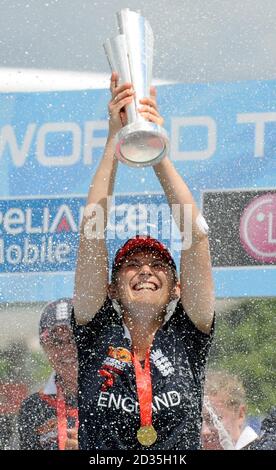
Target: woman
x=142, y=339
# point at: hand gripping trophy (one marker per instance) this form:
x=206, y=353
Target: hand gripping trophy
x=130, y=54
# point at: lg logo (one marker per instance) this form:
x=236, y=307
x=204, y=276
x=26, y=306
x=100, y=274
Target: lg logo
x=258, y=228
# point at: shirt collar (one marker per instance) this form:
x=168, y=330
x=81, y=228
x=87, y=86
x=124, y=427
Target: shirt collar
x=248, y=435
x=170, y=311
x=50, y=387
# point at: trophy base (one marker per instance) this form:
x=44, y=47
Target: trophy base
x=141, y=144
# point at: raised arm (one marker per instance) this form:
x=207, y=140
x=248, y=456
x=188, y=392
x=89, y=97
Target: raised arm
x=91, y=278
x=196, y=283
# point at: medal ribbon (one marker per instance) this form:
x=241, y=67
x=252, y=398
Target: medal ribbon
x=144, y=388
x=62, y=413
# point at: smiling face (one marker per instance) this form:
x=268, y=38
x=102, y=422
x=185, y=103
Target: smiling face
x=145, y=279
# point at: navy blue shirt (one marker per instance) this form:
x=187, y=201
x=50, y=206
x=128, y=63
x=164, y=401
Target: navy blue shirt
x=37, y=422
x=108, y=404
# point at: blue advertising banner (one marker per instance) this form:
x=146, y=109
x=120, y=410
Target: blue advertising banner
x=222, y=139
x=40, y=234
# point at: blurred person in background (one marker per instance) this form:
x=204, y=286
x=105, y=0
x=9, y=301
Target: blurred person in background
x=13, y=389
x=48, y=419
x=224, y=413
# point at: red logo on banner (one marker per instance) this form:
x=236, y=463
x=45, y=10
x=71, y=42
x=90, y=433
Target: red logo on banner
x=258, y=228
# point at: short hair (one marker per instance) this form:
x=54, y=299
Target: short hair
x=223, y=382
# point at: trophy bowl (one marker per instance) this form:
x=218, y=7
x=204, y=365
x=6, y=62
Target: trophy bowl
x=141, y=144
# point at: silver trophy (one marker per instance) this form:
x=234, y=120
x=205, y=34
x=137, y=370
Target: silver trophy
x=130, y=54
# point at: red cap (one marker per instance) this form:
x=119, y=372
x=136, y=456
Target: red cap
x=139, y=242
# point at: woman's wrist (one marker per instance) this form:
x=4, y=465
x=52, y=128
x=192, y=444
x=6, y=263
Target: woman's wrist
x=162, y=165
x=111, y=137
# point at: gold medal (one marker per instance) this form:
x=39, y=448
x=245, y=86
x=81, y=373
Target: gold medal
x=146, y=435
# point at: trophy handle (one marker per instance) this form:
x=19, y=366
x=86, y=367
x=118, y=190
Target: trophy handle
x=139, y=41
